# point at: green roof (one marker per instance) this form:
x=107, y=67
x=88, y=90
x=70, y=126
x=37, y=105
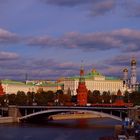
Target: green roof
x=112, y=78
x=89, y=75
x=93, y=74
x=7, y=81
x=51, y=84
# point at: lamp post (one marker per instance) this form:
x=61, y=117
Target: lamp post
x=6, y=101
x=111, y=100
x=102, y=101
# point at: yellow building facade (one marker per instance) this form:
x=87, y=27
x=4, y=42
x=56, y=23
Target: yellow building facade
x=94, y=81
x=12, y=87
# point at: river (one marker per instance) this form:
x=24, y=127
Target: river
x=86, y=129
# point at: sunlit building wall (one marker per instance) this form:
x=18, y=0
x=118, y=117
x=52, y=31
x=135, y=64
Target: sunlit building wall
x=11, y=87
x=94, y=81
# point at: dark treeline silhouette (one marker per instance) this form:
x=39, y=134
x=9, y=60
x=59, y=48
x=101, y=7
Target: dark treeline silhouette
x=59, y=98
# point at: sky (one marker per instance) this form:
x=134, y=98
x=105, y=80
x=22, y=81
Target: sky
x=48, y=39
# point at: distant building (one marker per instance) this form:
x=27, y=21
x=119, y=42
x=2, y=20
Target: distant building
x=94, y=81
x=131, y=84
x=10, y=86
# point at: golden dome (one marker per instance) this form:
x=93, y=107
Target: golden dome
x=94, y=70
x=125, y=70
x=133, y=62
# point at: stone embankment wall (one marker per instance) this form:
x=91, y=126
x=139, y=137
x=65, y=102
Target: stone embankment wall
x=7, y=120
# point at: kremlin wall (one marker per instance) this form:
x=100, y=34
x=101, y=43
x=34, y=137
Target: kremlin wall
x=94, y=80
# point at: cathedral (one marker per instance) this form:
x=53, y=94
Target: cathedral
x=130, y=82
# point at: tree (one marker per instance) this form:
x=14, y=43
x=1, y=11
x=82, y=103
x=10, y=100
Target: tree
x=90, y=98
x=96, y=96
x=43, y=98
x=30, y=98
x=126, y=97
x=74, y=99
x=135, y=98
x=59, y=92
x=12, y=99
x=106, y=97
x=21, y=98
x=50, y=96
x=2, y=98
x=64, y=99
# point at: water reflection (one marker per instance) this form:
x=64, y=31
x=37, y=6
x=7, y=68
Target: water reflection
x=87, y=129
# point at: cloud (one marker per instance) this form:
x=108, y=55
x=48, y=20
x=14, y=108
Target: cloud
x=8, y=56
x=53, y=69
x=69, y=3
x=95, y=7
x=123, y=39
x=8, y=37
x=123, y=59
x=132, y=8
x=96, y=41
x=102, y=7
x=37, y=69
x=116, y=64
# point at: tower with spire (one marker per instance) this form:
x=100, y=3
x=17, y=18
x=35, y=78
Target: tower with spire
x=82, y=90
x=125, y=77
x=133, y=79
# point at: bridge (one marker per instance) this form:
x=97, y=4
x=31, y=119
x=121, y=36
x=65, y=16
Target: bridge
x=42, y=115
x=35, y=113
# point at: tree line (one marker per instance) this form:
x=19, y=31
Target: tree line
x=59, y=98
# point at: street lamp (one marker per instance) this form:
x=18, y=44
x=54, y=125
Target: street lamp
x=6, y=102
x=102, y=101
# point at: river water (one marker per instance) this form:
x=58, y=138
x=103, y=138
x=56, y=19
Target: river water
x=87, y=129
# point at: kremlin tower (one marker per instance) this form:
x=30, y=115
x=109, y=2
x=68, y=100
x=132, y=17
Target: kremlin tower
x=1, y=90
x=119, y=101
x=82, y=90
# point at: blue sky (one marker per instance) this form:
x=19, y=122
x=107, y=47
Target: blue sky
x=47, y=39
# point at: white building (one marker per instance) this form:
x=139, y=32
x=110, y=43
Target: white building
x=12, y=87
x=94, y=81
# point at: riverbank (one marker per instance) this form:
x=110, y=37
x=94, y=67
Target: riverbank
x=7, y=120
x=74, y=116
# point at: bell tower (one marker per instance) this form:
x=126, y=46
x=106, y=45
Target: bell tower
x=125, y=78
x=133, y=73
x=82, y=90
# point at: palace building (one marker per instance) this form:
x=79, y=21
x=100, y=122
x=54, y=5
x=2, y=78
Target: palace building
x=94, y=80
x=12, y=87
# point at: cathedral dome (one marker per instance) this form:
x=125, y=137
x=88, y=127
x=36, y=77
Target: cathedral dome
x=133, y=62
x=125, y=70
